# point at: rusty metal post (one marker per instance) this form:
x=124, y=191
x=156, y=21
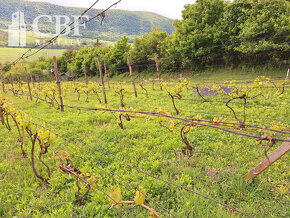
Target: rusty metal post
x=28, y=84
x=132, y=75
x=102, y=79
x=58, y=83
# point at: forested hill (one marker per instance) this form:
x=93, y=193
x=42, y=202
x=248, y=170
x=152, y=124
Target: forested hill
x=116, y=24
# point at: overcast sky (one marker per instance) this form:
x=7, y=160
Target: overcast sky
x=168, y=8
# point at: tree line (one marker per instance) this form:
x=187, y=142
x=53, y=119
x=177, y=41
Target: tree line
x=211, y=33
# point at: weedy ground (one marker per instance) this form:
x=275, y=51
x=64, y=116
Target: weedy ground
x=216, y=167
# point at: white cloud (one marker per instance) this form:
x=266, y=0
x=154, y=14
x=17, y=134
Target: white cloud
x=168, y=8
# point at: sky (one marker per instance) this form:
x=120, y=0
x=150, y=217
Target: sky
x=167, y=8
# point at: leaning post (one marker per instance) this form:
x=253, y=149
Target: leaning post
x=107, y=75
x=58, y=83
x=132, y=75
x=3, y=81
x=102, y=79
x=28, y=84
x=158, y=71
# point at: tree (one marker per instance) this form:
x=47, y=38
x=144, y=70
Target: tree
x=144, y=47
x=266, y=28
x=119, y=52
x=91, y=59
x=199, y=33
x=219, y=32
x=77, y=65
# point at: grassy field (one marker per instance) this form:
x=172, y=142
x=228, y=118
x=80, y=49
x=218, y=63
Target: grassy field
x=10, y=54
x=215, y=169
x=32, y=37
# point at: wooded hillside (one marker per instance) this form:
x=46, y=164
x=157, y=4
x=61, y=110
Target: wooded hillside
x=116, y=24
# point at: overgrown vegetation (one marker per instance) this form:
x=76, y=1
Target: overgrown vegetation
x=90, y=159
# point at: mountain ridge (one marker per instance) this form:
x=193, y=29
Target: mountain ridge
x=117, y=23
x=84, y=8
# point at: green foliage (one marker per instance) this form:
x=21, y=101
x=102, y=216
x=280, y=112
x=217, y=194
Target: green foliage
x=77, y=65
x=146, y=46
x=219, y=32
x=237, y=34
x=36, y=71
x=115, y=196
x=6, y=67
x=91, y=59
x=119, y=52
x=268, y=21
x=140, y=197
x=199, y=29
x=115, y=57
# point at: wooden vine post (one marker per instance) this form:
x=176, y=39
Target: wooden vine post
x=37, y=80
x=102, y=79
x=11, y=80
x=107, y=75
x=31, y=79
x=28, y=84
x=72, y=75
x=52, y=75
x=2, y=81
x=58, y=83
x=19, y=81
x=86, y=76
x=132, y=75
x=285, y=83
x=158, y=71
x=266, y=163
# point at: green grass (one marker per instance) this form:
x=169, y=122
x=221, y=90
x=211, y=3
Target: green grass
x=11, y=54
x=146, y=145
x=209, y=74
x=32, y=37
